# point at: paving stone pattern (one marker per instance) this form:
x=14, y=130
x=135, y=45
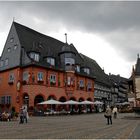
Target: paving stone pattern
x=85, y=126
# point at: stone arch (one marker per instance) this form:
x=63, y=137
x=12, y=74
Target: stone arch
x=51, y=97
x=89, y=99
x=62, y=107
x=62, y=99
x=38, y=99
x=81, y=99
x=73, y=98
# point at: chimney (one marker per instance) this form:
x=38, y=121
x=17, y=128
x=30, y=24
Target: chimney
x=66, y=37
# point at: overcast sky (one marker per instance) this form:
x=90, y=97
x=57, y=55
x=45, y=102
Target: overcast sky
x=108, y=32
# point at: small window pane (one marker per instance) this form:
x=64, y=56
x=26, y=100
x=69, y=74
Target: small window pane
x=9, y=49
x=6, y=62
x=1, y=63
x=40, y=76
x=15, y=47
x=25, y=76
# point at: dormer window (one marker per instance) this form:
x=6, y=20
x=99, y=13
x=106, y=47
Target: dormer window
x=77, y=68
x=11, y=39
x=9, y=49
x=69, y=61
x=87, y=70
x=34, y=56
x=51, y=61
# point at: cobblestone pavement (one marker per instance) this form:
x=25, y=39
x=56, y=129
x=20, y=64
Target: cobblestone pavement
x=83, y=126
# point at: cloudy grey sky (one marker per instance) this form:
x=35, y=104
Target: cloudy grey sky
x=108, y=32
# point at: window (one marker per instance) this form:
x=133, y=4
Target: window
x=51, y=61
x=15, y=47
x=78, y=68
x=40, y=76
x=7, y=99
x=9, y=49
x=11, y=39
x=89, y=86
x=11, y=78
x=6, y=62
x=68, y=81
x=34, y=56
x=69, y=61
x=1, y=63
x=81, y=83
x=3, y=100
x=52, y=78
x=25, y=76
x=86, y=70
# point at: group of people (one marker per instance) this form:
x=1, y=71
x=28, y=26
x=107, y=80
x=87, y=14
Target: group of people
x=5, y=116
x=109, y=112
x=23, y=115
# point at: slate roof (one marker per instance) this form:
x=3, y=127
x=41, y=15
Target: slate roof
x=32, y=40
x=96, y=70
x=118, y=80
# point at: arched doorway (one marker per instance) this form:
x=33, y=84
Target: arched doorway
x=73, y=108
x=37, y=107
x=38, y=99
x=81, y=108
x=51, y=97
x=62, y=107
x=89, y=107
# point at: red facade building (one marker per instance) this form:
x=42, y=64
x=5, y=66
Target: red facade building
x=35, y=67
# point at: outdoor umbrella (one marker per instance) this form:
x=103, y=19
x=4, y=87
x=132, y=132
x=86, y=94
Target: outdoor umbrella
x=86, y=102
x=51, y=102
x=71, y=102
x=98, y=103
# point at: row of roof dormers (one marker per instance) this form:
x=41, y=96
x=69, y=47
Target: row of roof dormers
x=37, y=46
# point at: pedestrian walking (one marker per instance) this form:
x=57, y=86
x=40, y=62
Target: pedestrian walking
x=25, y=115
x=21, y=116
x=115, y=112
x=108, y=115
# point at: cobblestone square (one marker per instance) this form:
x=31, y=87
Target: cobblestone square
x=84, y=126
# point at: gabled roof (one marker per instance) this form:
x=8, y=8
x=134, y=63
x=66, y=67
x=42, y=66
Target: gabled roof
x=32, y=40
x=117, y=80
x=96, y=70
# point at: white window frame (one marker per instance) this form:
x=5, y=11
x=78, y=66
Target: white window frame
x=25, y=76
x=68, y=80
x=53, y=78
x=87, y=70
x=69, y=61
x=51, y=61
x=11, y=77
x=34, y=56
x=81, y=83
x=40, y=76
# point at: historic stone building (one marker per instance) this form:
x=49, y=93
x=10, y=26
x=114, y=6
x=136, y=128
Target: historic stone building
x=35, y=67
x=134, y=84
